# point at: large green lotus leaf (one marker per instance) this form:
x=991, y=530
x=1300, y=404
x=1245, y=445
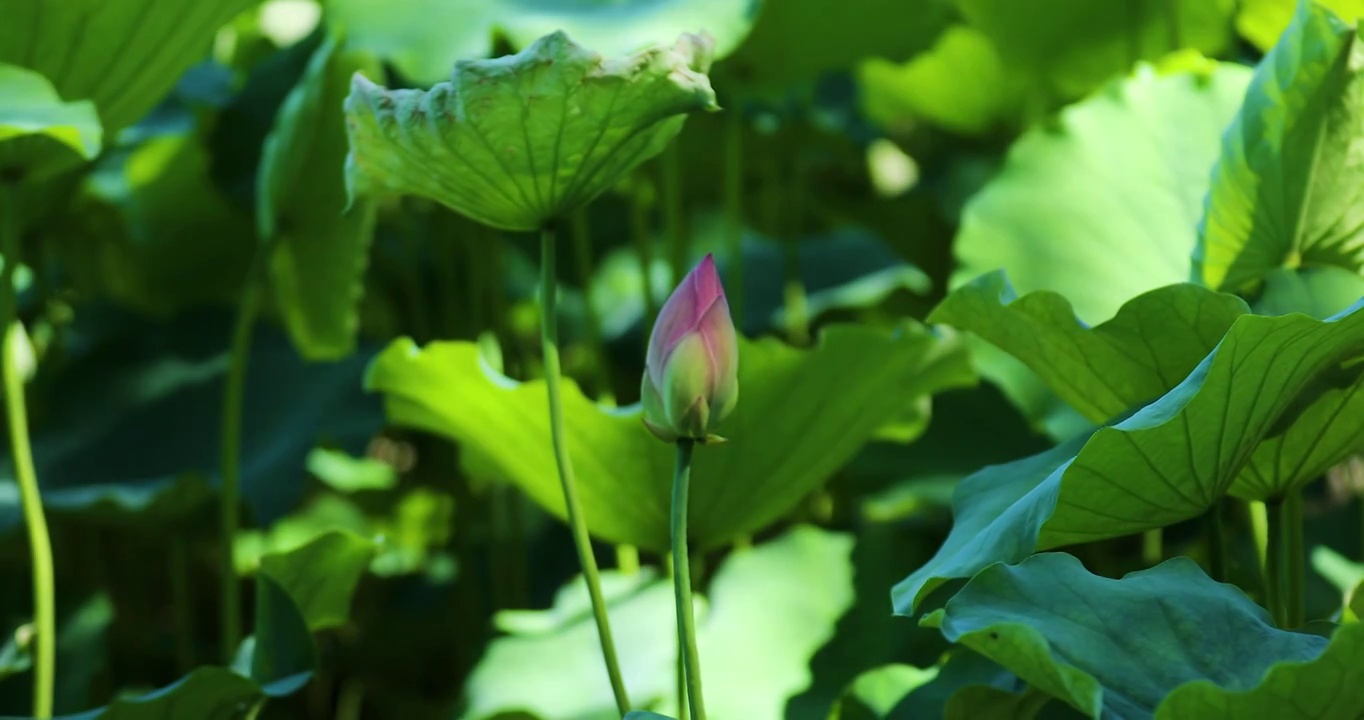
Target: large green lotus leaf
x=1151, y=345
x=320, y=246
x=1077, y=44
x=125, y=55
x=1117, y=647
x=425, y=38
x=769, y=609
x=804, y=413
x=1168, y=462
x=1326, y=686
x=39, y=134
x=1263, y=21
x=797, y=42
x=1320, y=291
x=321, y=576
x=520, y=141
x=1289, y=186
x=961, y=84
x=1104, y=206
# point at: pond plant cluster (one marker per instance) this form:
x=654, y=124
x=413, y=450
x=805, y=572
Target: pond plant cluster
x=783, y=360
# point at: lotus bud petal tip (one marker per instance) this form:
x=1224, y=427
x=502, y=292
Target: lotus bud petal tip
x=690, y=380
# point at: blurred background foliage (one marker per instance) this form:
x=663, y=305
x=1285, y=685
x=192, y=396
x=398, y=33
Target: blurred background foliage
x=879, y=153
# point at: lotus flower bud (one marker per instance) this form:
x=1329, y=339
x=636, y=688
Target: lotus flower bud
x=691, y=378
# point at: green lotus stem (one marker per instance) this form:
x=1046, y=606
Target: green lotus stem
x=1171, y=8
x=16, y=415
x=1259, y=529
x=644, y=248
x=1294, y=561
x=1217, y=544
x=1152, y=546
x=234, y=396
x=180, y=599
x=686, y=623
x=670, y=167
x=734, y=211
x=549, y=340
x=1274, y=563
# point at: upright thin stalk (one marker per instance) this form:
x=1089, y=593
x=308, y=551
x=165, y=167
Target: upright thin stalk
x=1274, y=563
x=1217, y=543
x=16, y=415
x=1294, y=555
x=549, y=340
x=734, y=212
x=670, y=165
x=234, y=396
x=1152, y=546
x=686, y=624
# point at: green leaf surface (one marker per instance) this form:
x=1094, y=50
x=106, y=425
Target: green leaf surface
x=425, y=38
x=961, y=84
x=1289, y=186
x=321, y=576
x=125, y=55
x=39, y=134
x=1166, y=463
x=1117, y=647
x=16, y=653
x=1263, y=21
x=782, y=445
x=877, y=691
x=1146, y=349
x=770, y=608
x=1326, y=686
x=1317, y=291
x=1103, y=206
x=1076, y=44
x=320, y=246
x=520, y=141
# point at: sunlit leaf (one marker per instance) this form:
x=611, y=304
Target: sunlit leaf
x=1070, y=633
x=782, y=444
x=125, y=55
x=1263, y=21
x=876, y=692
x=425, y=38
x=1289, y=186
x=961, y=84
x=39, y=134
x=320, y=246
x=1145, y=350
x=521, y=141
x=769, y=609
x=1168, y=462
x=320, y=577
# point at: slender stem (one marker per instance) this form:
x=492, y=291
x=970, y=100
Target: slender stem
x=234, y=396
x=1152, y=546
x=1294, y=555
x=1217, y=543
x=1274, y=563
x=679, y=662
x=644, y=248
x=1259, y=530
x=16, y=414
x=549, y=338
x=734, y=212
x=627, y=559
x=182, y=604
x=1172, y=24
x=686, y=624
x=670, y=165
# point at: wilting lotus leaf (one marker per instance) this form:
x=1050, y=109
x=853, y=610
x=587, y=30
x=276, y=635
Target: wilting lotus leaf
x=519, y=141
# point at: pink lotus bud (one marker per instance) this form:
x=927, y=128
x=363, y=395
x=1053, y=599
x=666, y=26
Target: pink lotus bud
x=691, y=378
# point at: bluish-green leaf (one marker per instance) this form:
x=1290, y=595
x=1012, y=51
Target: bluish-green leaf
x=1118, y=647
x=1289, y=186
x=1168, y=462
